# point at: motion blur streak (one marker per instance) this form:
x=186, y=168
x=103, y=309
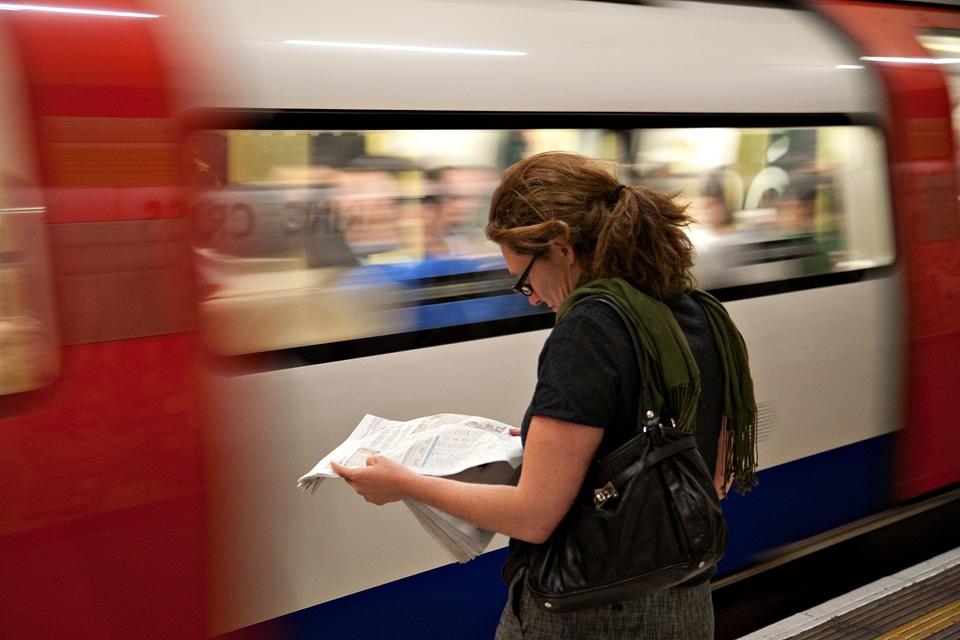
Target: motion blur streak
x=76, y=11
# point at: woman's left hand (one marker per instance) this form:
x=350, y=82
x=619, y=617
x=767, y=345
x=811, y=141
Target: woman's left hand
x=379, y=481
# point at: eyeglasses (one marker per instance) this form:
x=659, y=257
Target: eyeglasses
x=522, y=286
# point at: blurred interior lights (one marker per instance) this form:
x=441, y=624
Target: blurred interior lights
x=402, y=47
x=75, y=10
x=901, y=60
x=946, y=47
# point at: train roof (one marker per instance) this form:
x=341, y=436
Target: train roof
x=531, y=56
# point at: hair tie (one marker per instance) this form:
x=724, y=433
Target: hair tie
x=616, y=193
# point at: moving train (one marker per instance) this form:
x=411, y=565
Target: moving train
x=230, y=229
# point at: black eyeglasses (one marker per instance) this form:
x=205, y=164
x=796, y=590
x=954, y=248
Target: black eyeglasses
x=522, y=286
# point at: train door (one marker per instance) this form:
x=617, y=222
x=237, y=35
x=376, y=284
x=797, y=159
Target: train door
x=904, y=44
x=101, y=509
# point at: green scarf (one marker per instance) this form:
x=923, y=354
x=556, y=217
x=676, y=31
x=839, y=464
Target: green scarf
x=677, y=382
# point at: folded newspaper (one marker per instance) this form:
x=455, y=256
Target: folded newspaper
x=467, y=448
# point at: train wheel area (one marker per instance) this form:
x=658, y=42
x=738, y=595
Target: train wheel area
x=895, y=575
x=919, y=602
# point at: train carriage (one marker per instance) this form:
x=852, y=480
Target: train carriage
x=231, y=230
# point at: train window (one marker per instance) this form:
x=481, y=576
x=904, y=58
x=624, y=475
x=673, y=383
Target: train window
x=29, y=339
x=775, y=204
x=312, y=237
x=28, y=342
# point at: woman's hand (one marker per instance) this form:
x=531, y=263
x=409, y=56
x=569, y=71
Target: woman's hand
x=555, y=463
x=379, y=482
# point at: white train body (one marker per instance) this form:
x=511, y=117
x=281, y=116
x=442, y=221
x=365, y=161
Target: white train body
x=219, y=232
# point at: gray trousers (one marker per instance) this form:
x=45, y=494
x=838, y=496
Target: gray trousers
x=680, y=613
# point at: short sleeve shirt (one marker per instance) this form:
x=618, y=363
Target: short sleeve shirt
x=588, y=374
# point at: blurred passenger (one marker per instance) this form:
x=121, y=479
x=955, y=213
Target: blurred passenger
x=796, y=209
x=461, y=277
x=572, y=234
x=368, y=206
x=796, y=221
x=456, y=200
x=712, y=233
x=714, y=216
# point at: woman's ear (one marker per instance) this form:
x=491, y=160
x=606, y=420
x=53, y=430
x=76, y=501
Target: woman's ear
x=567, y=252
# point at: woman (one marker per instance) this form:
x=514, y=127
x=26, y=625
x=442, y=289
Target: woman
x=572, y=233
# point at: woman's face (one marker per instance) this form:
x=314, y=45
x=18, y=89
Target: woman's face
x=552, y=277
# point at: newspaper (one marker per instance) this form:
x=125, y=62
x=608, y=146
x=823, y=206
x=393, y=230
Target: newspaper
x=466, y=448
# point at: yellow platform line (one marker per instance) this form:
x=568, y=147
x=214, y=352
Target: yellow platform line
x=926, y=625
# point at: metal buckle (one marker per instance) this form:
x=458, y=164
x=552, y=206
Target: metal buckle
x=600, y=496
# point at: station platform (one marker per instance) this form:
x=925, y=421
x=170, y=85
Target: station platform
x=918, y=603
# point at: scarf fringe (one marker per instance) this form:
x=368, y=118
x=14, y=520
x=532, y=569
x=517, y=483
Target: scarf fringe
x=740, y=464
x=686, y=422
x=740, y=406
x=669, y=354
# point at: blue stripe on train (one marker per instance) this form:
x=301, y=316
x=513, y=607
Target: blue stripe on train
x=809, y=496
x=462, y=602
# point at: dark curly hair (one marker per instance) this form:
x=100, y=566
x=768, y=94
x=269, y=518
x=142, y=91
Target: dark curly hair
x=634, y=233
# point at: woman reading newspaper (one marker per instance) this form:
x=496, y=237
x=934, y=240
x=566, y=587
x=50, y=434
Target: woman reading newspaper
x=571, y=232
